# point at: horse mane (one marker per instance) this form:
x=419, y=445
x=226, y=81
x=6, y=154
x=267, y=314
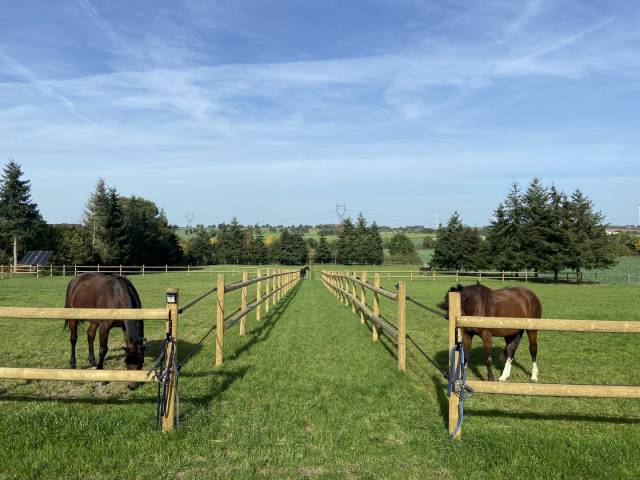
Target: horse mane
x=135, y=328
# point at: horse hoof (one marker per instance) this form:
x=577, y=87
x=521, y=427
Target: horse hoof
x=534, y=380
x=502, y=379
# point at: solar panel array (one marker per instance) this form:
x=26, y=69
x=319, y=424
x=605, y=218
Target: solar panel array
x=36, y=257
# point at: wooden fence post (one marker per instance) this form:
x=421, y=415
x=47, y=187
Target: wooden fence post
x=353, y=292
x=258, y=294
x=188, y=270
x=143, y=269
x=243, y=304
x=267, y=290
x=120, y=270
x=171, y=327
x=455, y=310
x=220, y=320
x=363, y=295
x=166, y=269
x=64, y=270
x=37, y=271
x=376, y=308
x=402, y=326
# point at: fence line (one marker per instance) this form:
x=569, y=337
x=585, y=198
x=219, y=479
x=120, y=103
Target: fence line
x=236, y=270
x=458, y=385
x=170, y=317
x=343, y=286
x=278, y=283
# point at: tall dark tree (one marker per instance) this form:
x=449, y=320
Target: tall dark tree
x=323, y=252
x=95, y=217
x=259, y=250
x=400, y=244
x=374, y=245
x=457, y=246
x=116, y=236
x=20, y=219
x=360, y=244
x=201, y=248
x=345, y=250
x=589, y=245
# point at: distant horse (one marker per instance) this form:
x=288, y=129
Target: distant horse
x=303, y=271
x=481, y=301
x=97, y=290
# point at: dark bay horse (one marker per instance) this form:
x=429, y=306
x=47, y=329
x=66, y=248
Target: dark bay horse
x=303, y=271
x=97, y=290
x=481, y=301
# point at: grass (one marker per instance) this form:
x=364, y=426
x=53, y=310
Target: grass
x=306, y=394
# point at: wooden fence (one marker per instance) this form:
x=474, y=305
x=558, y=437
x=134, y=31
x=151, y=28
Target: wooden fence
x=457, y=321
x=69, y=270
x=169, y=315
x=343, y=286
x=277, y=284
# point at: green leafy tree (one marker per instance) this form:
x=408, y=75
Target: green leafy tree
x=201, y=248
x=73, y=245
x=20, y=219
x=400, y=244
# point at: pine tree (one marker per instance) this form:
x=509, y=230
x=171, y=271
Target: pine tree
x=20, y=219
x=260, y=252
x=375, y=247
x=345, y=243
x=116, y=235
x=323, y=252
x=589, y=244
x=535, y=245
x=95, y=216
x=457, y=246
x=360, y=244
x=201, y=248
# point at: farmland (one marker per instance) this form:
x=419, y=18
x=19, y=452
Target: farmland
x=307, y=394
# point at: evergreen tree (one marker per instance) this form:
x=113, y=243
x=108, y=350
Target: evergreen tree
x=201, y=248
x=345, y=242
x=374, y=244
x=116, y=235
x=457, y=246
x=589, y=244
x=361, y=254
x=323, y=252
x=95, y=217
x=260, y=252
x=20, y=219
x=536, y=228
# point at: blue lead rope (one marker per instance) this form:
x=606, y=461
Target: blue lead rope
x=163, y=375
x=457, y=380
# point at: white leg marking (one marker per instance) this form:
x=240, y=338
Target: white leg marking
x=534, y=372
x=507, y=370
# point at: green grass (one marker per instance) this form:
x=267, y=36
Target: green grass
x=307, y=394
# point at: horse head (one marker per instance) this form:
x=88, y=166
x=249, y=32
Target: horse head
x=444, y=305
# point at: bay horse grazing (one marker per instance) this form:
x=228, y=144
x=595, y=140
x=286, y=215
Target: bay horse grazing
x=516, y=302
x=97, y=290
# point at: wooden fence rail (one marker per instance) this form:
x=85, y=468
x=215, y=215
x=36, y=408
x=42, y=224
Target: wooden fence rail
x=343, y=286
x=169, y=315
x=458, y=321
x=278, y=283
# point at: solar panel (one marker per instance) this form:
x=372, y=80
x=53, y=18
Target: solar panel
x=36, y=257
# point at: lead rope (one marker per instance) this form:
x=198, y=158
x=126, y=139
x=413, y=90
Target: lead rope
x=163, y=377
x=457, y=380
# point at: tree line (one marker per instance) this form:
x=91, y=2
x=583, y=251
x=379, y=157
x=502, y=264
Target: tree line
x=541, y=230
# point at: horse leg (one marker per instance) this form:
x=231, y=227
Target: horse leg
x=510, y=353
x=91, y=336
x=73, y=338
x=104, y=344
x=487, y=343
x=467, y=338
x=533, y=349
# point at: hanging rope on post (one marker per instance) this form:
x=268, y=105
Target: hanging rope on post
x=164, y=369
x=457, y=382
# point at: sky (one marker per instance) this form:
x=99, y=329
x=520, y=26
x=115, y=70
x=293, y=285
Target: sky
x=277, y=111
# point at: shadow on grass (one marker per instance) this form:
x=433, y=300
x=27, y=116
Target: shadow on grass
x=266, y=325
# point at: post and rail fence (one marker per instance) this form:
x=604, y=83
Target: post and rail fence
x=344, y=286
x=458, y=321
x=170, y=317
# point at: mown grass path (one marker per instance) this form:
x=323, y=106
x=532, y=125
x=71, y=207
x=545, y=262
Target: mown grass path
x=305, y=394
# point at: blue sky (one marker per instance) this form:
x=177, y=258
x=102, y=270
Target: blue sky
x=274, y=111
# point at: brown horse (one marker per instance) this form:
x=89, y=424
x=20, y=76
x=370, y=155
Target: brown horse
x=97, y=290
x=481, y=301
